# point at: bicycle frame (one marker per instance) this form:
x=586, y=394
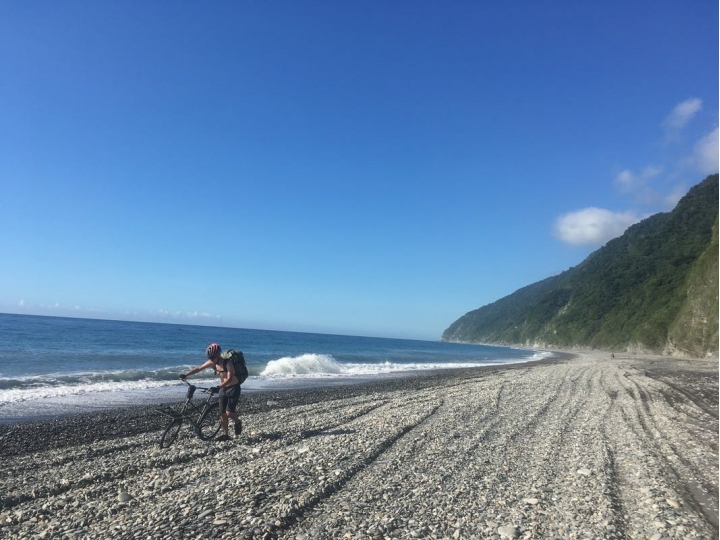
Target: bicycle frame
x=204, y=418
x=195, y=410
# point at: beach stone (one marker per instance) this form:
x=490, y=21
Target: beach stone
x=379, y=466
x=673, y=503
x=124, y=496
x=584, y=472
x=508, y=531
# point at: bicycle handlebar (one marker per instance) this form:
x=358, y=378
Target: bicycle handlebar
x=204, y=389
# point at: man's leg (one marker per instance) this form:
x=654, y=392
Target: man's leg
x=238, y=423
x=224, y=403
x=230, y=411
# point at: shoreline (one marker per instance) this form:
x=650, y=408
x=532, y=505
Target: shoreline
x=87, y=392
x=577, y=447
x=83, y=427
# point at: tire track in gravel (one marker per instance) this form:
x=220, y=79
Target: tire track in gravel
x=699, y=403
x=117, y=463
x=640, y=475
x=296, y=514
x=106, y=484
x=385, y=404
x=555, y=448
x=20, y=464
x=613, y=491
x=48, y=480
x=395, y=466
x=660, y=438
x=662, y=448
x=453, y=480
x=53, y=479
x=527, y=428
x=693, y=478
x=308, y=421
x=679, y=405
x=503, y=458
x=612, y=473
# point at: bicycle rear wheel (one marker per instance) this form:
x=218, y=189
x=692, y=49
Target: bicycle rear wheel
x=170, y=433
x=209, y=423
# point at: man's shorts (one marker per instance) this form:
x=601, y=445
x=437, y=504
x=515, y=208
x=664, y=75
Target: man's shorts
x=229, y=398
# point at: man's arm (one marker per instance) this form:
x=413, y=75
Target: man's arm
x=197, y=369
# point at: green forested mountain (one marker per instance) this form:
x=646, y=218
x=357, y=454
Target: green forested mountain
x=653, y=289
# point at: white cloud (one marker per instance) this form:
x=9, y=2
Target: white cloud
x=648, y=187
x=628, y=181
x=202, y=315
x=705, y=154
x=640, y=187
x=592, y=226
x=21, y=303
x=164, y=314
x=680, y=116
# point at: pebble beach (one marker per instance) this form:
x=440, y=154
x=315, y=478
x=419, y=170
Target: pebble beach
x=585, y=447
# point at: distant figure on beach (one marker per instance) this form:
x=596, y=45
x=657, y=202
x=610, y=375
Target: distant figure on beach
x=229, y=388
x=612, y=355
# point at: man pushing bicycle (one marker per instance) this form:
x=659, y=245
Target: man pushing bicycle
x=228, y=390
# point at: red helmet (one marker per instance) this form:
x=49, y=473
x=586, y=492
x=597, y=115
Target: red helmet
x=213, y=351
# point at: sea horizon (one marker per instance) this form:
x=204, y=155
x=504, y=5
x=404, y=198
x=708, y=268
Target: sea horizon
x=229, y=326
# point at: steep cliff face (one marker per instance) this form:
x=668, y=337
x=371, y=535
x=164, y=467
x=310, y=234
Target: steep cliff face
x=653, y=289
x=695, y=331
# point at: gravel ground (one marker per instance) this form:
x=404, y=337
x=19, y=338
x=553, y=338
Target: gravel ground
x=585, y=448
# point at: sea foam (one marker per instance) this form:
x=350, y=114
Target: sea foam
x=59, y=385
x=45, y=392
x=306, y=364
x=324, y=365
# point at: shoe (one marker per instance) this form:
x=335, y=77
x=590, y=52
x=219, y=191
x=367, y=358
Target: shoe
x=223, y=438
x=238, y=427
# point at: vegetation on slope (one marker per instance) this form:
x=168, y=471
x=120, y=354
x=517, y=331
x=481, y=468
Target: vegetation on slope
x=650, y=289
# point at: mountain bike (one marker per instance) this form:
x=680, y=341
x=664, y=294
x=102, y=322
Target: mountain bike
x=204, y=418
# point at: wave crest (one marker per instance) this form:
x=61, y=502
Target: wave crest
x=37, y=387
x=315, y=365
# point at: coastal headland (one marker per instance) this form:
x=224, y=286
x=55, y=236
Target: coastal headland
x=583, y=447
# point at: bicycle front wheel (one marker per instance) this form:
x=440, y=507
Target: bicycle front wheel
x=170, y=433
x=209, y=423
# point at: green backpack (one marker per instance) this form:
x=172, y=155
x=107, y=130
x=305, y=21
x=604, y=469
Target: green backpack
x=238, y=360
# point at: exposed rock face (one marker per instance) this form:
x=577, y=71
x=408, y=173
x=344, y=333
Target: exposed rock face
x=695, y=332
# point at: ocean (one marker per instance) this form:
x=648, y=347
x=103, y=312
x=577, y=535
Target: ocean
x=52, y=366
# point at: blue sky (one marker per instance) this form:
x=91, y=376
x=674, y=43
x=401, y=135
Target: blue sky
x=365, y=168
